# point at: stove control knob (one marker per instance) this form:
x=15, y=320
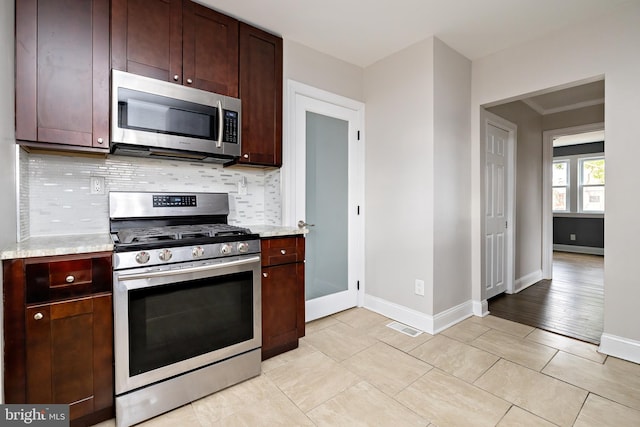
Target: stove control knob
x=142, y=257
x=165, y=255
x=226, y=249
x=197, y=252
x=243, y=247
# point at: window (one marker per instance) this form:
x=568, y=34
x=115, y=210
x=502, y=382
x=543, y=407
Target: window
x=561, y=186
x=578, y=184
x=592, y=184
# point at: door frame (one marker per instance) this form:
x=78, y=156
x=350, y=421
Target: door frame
x=488, y=118
x=547, y=190
x=293, y=152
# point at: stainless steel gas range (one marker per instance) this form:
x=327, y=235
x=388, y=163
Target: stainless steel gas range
x=187, y=300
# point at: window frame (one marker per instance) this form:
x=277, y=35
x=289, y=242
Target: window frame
x=567, y=186
x=574, y=186
x=581, y=185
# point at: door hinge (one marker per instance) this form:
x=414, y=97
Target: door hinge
x=358, y=135
x=506, y=224
x=358, y=209
x=358, y=285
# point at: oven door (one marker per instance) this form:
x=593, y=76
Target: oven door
x=176, y=318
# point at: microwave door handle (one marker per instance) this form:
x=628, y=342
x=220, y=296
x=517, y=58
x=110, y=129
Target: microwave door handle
x=221, y=126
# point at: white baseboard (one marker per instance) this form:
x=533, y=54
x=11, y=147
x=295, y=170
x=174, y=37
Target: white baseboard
x=579, y=249
x=419, y=320
x=527, y=280
x=620, y=347
x=480, y=308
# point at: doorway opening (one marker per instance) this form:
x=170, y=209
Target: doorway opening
x=574, y=282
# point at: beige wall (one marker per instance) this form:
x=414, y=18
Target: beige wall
x=578, y=117
x=580, y=54
x=308, y=66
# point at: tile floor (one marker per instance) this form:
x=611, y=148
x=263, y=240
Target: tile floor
x=351, y=370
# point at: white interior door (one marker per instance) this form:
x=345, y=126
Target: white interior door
x=328, y=192
x=497, y=209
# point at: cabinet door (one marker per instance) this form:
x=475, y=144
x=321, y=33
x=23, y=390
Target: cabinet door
x=280, y=296
x=146, y=38
x=210, y=50
x=69, y=354
x=62, y=72
x=261, y=95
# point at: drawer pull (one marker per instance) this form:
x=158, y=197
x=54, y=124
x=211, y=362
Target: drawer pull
x=38, y=316
x=265, y=275
x=283, y=252
x=70, y=279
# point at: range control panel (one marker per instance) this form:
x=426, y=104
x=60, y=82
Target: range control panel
x=162, y=201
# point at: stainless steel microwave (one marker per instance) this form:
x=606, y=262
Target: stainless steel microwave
x=154, y=118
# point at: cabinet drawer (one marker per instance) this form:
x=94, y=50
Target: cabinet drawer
x=282, y=250
x=57, y=278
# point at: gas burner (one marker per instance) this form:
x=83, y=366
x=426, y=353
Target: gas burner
x=153, y=235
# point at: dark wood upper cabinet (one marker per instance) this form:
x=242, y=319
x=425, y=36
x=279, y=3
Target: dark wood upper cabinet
x=261, y=95
x=62, y=73
x=177, y=41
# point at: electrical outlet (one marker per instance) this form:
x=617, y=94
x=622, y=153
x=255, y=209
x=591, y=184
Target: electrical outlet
x=242, y=188
x=419, y=288
x=572, y=237
x=97, y=185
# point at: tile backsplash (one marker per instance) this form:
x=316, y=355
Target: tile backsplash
x=56, y=199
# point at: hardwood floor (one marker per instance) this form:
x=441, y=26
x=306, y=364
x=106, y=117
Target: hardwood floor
x=571, y=304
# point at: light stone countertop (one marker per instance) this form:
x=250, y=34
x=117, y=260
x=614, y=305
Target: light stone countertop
x=266, y=231
x=87, y=243
x=58, y=245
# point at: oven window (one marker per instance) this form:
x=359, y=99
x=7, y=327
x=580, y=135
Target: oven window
x=171, y=323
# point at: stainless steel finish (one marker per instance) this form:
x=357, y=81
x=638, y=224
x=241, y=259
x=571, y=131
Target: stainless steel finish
x=124, y=260
x=243, y=247
x=70, y=279
x=156, y=399
x=184, y=270
x=38, y=316
x=165, y=255
x=176, y=77
x=138, y=142
x=302, y=224
x=137, y=278
x=220, y=120
x=226, y=249
x=142, y=257
x=124, y=204
x=189, y=81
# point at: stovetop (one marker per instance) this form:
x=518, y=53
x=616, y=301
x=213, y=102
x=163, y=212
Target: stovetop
x=182, y=234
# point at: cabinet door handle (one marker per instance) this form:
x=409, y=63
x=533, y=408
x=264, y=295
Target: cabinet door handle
x=176, y=77
x=265, y=275
x=189, y=81
x=38, y=316
x=283, y=252
x=100, y=140
x=70, y=279
x=246, y=156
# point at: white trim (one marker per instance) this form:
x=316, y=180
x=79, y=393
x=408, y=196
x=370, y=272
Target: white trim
x=480, y=308
x=547, y=195
x=300, y=96
x=534, y=106
x=575, y=106
x=450, y=317
x=578, y=249
x=621, y=347
x=488, y=118
x=419, y=320
x=530, y=279
x=400, y=313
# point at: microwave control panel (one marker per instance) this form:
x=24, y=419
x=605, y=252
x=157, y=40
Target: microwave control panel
x=230, y=126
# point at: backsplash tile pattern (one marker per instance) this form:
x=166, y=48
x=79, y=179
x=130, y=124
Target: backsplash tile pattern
x=59, y=199
x=23, y=199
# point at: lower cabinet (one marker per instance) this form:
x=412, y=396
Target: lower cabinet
x=282, y=294
x=61, y=350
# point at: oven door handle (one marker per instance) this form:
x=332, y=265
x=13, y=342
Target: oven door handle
x=154, y=274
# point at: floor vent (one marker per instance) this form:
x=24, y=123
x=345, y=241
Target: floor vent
x=407, y=330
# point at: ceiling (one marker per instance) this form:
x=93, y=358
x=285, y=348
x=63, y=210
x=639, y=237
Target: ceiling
x=362, y=32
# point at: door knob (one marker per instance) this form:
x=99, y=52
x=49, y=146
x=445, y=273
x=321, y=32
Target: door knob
x=302, y=224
